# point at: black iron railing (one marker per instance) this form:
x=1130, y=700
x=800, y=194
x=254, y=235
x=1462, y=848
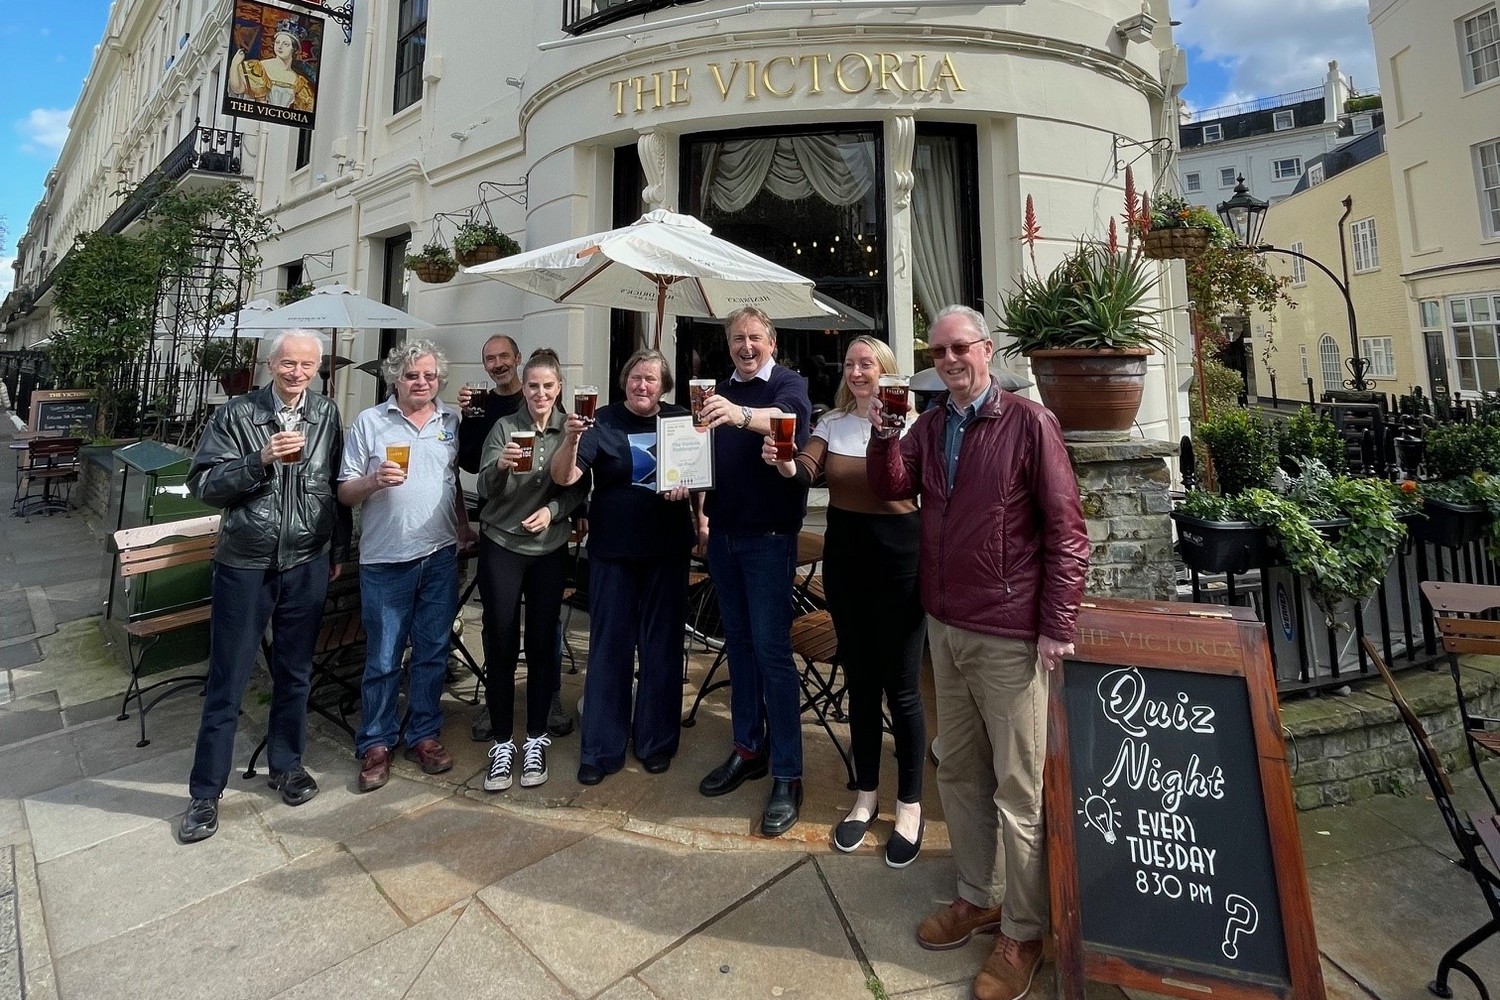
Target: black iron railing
x=213, y=150
x=580, y=16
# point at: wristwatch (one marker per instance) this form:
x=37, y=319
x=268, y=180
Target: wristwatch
x=744, y=418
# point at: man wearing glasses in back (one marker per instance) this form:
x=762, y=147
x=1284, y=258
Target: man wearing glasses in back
x=1003, y=557
x=400, y=463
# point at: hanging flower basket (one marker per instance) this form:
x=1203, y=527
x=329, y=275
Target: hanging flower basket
x=482, y=254
x=1184, y=243
x=434, y=273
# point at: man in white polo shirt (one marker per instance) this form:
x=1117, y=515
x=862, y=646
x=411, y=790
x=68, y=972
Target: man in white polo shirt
x=411, y=526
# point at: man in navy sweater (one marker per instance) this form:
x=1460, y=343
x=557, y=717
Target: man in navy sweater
x=754, y=516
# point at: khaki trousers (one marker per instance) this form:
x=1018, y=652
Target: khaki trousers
x=992, y=719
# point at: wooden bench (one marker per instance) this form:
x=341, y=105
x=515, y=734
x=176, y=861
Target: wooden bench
x=144, y=550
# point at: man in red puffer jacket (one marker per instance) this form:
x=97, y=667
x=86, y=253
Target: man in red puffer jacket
x=1004, y=553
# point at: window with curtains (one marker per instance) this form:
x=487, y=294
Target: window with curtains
x=411, y=49
x=944, y=214
x=810, y=200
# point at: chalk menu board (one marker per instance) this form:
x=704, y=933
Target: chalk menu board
x=1171, y=833
x=64, y=410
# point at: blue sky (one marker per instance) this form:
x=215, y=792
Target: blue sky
x=1238, y=49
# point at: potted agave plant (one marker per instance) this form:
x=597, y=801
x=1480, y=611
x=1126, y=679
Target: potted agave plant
x=480, y=242
x=434, y=265
x=1086, y=326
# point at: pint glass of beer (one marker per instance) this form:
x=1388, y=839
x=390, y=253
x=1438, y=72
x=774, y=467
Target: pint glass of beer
x=527, y=442
x=784, y=426
x=699, y=389
x=290, y=423
x=894, y=399
x=400, y=453
x=585, y=400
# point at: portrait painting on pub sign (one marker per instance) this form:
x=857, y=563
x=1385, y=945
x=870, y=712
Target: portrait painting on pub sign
x=275, y=56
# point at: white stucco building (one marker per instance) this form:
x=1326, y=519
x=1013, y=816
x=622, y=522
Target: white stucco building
x=905, y=136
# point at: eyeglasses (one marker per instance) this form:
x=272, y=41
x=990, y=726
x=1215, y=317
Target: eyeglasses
x=420, y=377
x=958, y=350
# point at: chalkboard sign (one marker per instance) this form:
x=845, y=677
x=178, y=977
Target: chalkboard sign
x=64, y=410
x=1171, y=830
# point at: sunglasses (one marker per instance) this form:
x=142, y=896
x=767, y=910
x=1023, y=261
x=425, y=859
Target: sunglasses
x=420, y=376
x=958, y=350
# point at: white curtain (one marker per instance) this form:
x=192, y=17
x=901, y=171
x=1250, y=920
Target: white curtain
x=934, y=224
x=790, y=167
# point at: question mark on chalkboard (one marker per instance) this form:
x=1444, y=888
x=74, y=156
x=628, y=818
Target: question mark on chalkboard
x=1243, y=919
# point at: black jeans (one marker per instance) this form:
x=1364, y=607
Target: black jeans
x=504, y=579
x=870, y=577
x=244, y=601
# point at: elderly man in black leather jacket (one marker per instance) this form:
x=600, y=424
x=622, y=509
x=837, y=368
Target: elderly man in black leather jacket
x=269, y=460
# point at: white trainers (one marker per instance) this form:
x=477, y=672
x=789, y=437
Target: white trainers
x=534, y=760
x=501, y=755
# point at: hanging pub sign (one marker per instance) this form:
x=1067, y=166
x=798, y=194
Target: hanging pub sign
x=275, y=57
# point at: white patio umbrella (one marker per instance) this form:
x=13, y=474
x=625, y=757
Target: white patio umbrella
x=233, y=324
x=336, y=307
x=665, y=262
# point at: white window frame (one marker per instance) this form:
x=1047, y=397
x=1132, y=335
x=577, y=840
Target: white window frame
x=1302, y=356
x=1193, y=181
x=1213, y=133
x=1283, y=120
x=1279, y=171
x=1481, y=326
x=1366, y=246
x=1487, y=180
x=1380, y=353
x=1479, y=46
x=1299, y=266
x=1330, y=363
x=1315, y=175
x=1229, y=183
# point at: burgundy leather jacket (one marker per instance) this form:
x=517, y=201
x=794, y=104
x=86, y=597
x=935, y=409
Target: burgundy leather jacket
x=1004, y=548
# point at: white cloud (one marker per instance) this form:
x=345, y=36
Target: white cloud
x=43, y=130
x=1267, y=51
x=7, y=276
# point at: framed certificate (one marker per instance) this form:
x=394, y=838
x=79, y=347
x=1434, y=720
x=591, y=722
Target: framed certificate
x=684, y=454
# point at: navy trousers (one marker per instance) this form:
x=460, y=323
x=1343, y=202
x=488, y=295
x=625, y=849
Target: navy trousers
x=244, y=601
x=634, y=605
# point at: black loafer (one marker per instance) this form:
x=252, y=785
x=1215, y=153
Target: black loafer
x=657, y=763
x=733, y=773
x=900, y=852
x=590, y=774
x=296, y=786
x=850, y=834
x=200, y=822
x=781, y=811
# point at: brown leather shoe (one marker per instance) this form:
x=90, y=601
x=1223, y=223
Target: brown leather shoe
x=1009, y=971
x=430, y=756
x=375, y=768
x=954, y=924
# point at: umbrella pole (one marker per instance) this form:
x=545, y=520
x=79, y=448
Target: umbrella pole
x=661, y=309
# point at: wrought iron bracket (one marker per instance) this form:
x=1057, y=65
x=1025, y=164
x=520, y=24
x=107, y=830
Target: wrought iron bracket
x=342, y=13
x=510, y=190
x=1161, y=145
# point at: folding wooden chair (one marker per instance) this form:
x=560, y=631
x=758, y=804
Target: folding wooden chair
x=1477, y=836
x=1457, y=608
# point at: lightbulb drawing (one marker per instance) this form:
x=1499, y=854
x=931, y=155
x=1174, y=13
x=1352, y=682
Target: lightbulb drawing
x=1100, y=813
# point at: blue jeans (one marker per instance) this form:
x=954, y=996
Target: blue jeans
x=753, y=576
x=403, y=601
x=245, y=601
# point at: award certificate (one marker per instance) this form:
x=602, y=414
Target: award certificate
x=684, y=455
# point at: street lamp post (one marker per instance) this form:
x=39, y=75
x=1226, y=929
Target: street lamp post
x=1245, y=215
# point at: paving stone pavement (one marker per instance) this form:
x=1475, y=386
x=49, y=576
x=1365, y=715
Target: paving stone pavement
x=637, y=889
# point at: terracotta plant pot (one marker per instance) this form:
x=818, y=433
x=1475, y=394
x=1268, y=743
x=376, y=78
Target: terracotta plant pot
x=1091, y=390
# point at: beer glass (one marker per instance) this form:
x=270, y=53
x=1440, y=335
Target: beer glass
x=400, y=453
x=699, y=389
x=894, y=400
x=527, y=442
x=585, y=399
x=784, y=426
x=290, y=421
x=476, y=397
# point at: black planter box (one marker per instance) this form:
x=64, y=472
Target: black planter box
x=1223, y=546
x=1451, y=525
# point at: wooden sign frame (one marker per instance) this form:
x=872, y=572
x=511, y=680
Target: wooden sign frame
x=1194, y=639
x=41, y=397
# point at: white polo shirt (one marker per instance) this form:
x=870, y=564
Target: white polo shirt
x=415, y=519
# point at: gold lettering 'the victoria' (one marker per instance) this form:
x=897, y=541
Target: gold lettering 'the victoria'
x=817, y=82
x=765, y=76
x=677, y=85
x=838, y=72
x=890, y=65
x=724, y=84
x=945, y=71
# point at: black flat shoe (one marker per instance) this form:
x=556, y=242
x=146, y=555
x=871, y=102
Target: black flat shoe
x=850, y=834
x=900, y=852
x=657, y=763
x=200, y=822
x=733, y=773
x=781, y=810
x=590, y=774
x=296, y=786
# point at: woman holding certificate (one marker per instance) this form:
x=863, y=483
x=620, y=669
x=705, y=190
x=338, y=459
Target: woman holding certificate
x=870, y=577
x=639, y=543
x=523, y=553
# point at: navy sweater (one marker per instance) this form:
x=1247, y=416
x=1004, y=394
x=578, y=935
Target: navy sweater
x=749, y=496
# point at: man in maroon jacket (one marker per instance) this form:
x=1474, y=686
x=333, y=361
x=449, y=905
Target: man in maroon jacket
x=1004, y=552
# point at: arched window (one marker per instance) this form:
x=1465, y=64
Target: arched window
x=1328, y=361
